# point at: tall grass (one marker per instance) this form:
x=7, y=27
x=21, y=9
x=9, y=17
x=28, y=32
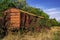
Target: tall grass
x=53, y=34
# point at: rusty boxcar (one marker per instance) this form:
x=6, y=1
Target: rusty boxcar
x=15, y=18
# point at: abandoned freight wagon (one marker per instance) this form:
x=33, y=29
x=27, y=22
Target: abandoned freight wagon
x=15, y=18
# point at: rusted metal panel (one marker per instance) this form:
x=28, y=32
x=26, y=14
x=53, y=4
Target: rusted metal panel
x=23, y=19
x=27, y=21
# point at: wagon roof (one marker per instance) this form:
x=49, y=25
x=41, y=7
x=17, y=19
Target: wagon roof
x=31, y=14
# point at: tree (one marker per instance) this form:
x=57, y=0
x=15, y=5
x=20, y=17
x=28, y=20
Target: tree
x=4, y=4
x=54, y=22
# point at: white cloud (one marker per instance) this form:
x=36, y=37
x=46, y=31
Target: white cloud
x=53, y=12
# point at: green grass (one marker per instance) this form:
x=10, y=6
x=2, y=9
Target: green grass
x=56, y=35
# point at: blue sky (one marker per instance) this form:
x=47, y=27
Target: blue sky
x=51, y=7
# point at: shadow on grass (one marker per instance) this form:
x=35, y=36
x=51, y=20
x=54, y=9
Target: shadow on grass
x=3, y=32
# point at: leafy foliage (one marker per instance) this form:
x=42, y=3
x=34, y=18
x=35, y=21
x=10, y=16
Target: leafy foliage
x=4, y=4
x=54, y=22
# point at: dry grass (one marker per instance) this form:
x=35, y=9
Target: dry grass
x=49, y=35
